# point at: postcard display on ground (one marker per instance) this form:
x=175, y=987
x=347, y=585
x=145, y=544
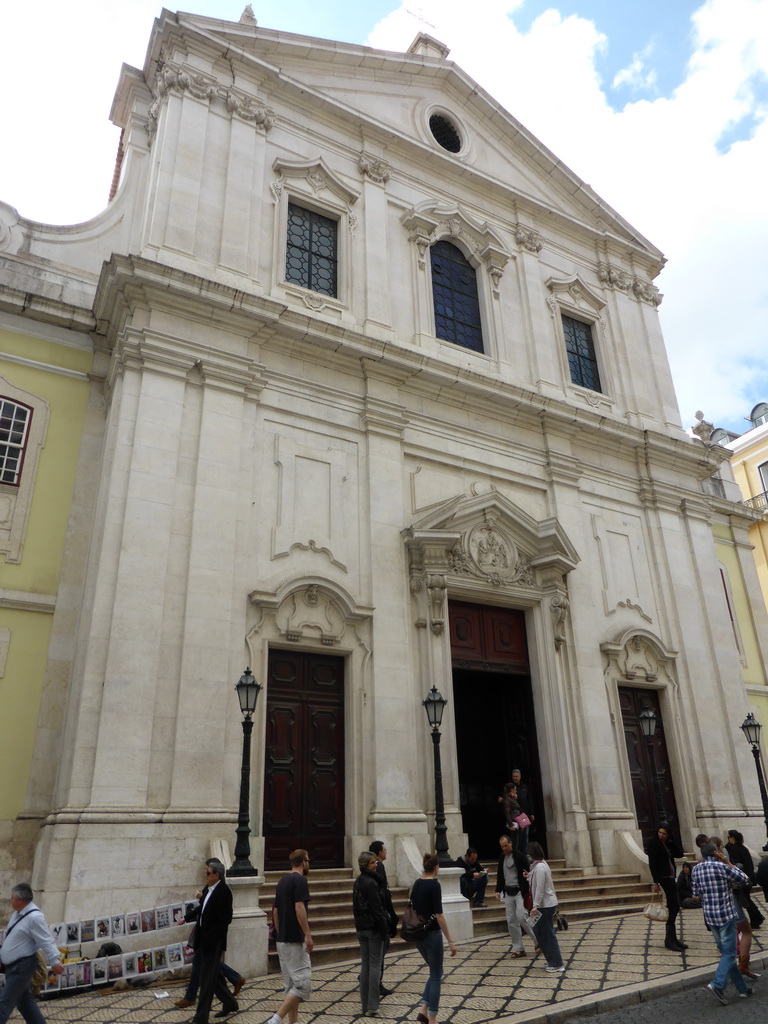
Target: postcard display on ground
x=102, y=970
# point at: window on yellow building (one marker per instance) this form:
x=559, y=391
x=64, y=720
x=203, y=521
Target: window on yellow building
x=15, y=419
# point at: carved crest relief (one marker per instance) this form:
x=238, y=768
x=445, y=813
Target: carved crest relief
x=489, y=553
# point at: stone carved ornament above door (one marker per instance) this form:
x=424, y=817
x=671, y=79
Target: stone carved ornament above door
x=486, y=539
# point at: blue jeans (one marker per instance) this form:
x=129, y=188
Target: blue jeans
x=547, y=939
x=371, y=957
x=16, y=993
x=431, y=948
x=522, y=840
x=194, y=979
x=725, y=938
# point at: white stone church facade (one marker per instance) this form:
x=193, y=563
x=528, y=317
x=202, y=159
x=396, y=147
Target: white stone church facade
x=324, y=445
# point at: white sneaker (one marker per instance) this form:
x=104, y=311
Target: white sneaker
x=554, y=970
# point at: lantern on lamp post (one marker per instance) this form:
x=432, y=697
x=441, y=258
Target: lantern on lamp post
x=751, y=729
x=248, y=691
x=434, y=705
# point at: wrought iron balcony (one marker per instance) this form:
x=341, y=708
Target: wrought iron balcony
x=759, y=502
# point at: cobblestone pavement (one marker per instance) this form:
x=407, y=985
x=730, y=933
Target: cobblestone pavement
x=694, y=1006
x=610, y=964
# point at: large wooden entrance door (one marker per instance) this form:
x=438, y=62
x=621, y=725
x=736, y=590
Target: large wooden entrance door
x=304, y=771
x=632, y=702
x=495, y=724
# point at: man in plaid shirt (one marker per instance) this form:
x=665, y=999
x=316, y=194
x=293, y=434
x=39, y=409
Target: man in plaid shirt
x=711, y=881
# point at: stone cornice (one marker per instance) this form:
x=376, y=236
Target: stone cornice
x=51, y=311
x=131, y=282
x=27, y=601
x=736, y=510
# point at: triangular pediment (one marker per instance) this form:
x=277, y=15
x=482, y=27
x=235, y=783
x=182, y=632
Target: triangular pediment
x=388, y=96
x=488, y=535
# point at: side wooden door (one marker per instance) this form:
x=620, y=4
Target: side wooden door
x=304, y=769
x=649, y=816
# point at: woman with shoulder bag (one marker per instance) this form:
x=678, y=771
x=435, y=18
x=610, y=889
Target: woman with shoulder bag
x=739, y=855
x=372, y=927
x=427, y=900
x=545, y=902
x=662, y=850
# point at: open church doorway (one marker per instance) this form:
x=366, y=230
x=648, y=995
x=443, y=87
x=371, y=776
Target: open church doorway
x=495, y=723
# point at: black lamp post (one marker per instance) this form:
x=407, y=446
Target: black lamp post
x=648, y=722
x=247, y=693
x=751, y=729
x=434, y=705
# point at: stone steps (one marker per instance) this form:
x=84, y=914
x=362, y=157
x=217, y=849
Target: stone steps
x=582, y=897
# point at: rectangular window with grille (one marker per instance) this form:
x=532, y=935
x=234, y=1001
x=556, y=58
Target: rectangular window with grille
x=14, y=430
x=581, y=353
x=311, y=254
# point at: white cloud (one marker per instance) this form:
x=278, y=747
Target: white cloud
x=657, y=162
x=637, y=76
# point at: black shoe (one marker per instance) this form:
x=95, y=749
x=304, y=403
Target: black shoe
x=681, y=944
x=227, y=1010
x=674, y=946
x=385, y=991
x=719, y=993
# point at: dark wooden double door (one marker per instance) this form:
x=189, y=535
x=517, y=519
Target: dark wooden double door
x=495, y=723
x=304, y=762
x=641, y=765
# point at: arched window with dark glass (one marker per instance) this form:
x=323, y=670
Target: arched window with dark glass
x=454, y=293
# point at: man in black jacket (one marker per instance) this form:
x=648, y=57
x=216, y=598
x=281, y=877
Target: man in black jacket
x=379, y=850
x=214, y=915
x=474, y=879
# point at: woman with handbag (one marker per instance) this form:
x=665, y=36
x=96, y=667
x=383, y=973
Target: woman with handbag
x=372, y=927
x=513, y=813
x=427, y=901
x=739, y=855
x=544, y=900
x=662, y=850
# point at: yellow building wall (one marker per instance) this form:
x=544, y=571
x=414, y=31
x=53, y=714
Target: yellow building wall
x=750, y=483
x=753, y=670
x=40, y=566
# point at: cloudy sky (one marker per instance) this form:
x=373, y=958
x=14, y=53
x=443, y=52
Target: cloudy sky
x=660, y=105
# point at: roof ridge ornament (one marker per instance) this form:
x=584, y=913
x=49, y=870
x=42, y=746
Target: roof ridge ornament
x=425, y=45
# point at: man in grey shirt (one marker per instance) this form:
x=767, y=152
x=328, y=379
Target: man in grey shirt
x=26, y=933
x=512, y=887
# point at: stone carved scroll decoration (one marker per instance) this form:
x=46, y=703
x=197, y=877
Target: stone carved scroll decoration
x=615, y=277
x=481, y=244
x=377, y=170
x=173, y=78
x=528, y=239
x=638, y=660
x=436, y=588
x=310, y=614
x=639, y=656
x=558, y=607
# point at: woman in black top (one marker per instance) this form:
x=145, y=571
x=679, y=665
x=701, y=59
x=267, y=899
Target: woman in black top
x=739, y=855
x=662, y=850
x=372, y=927
x=427, y=900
